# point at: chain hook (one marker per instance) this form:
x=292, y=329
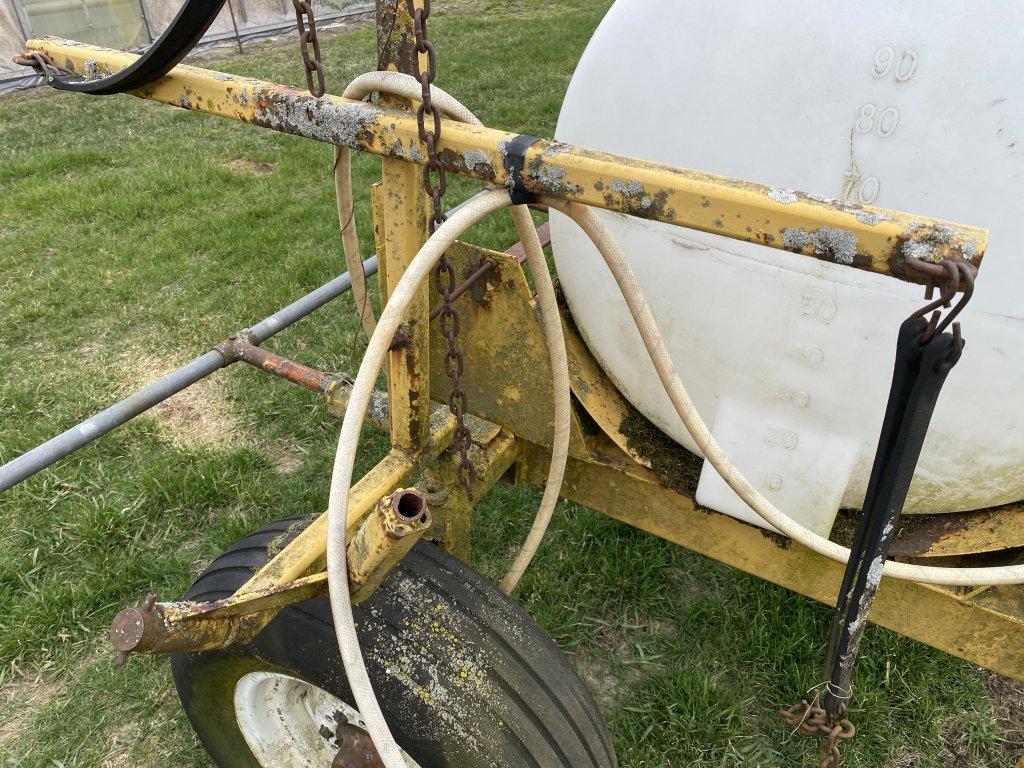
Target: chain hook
x=956, y=277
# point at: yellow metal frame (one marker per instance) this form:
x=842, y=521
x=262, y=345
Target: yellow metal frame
x=506, y=379
x=742, y=210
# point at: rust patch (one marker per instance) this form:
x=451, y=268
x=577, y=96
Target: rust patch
x=633, y=198
x=477, y=163
x=932, y=243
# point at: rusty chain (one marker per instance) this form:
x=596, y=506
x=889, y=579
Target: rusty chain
x=428, y=119
x=811, y=720
x=42, y=63
x=445, y=279
x=306, y=23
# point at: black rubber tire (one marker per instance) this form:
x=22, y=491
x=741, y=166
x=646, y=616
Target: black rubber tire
x=484, y=686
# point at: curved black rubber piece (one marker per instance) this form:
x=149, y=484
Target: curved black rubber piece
x=187, y=29
x=464, y=676
x=919, y=372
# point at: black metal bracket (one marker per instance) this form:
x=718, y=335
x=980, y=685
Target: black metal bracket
x=515, y=160
x=919, y=373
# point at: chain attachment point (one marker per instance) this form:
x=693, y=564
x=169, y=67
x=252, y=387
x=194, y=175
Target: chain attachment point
x=951, y=277
x=39, y=61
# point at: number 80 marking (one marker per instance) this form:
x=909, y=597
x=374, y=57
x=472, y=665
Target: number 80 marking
x=886, y=122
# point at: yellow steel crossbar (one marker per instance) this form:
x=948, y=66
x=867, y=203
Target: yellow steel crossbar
x=875, y=239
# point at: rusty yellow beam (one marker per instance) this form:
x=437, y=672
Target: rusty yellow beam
x=404, y=230
x=384, y=538
x=303, y=552
x=401, y=212
x=962, y=533
x=494, y=451
x=986, y=632
x=307, y=549
x=869, y=238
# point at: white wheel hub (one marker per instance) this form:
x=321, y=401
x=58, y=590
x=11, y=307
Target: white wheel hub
x=289, y=723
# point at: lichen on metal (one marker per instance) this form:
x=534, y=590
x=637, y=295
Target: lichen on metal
x=734, y=208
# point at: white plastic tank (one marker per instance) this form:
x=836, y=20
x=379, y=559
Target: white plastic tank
x=914, y=105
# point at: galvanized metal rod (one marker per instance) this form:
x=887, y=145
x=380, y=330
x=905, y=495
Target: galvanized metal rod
x=309, y=303
x=57, y=448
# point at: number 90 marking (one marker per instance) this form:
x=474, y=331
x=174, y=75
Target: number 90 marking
x=886, y=62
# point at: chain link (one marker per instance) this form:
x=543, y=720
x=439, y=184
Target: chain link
x=435, y=183
x=42, y=63
x=306, y=23
x=811, y=720
x=429, y=125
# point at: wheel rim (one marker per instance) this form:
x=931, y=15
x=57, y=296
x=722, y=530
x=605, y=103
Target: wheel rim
x=289, y=722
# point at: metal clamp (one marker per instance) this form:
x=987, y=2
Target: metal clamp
x=515, y=160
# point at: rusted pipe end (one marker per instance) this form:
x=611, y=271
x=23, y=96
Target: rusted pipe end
x=137, y=629
x=405, y=513
x=409, y=504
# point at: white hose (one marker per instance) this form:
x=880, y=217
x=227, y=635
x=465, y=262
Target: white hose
x=341, y=478
x=407, y=86
x=644, y=319
x=397, y=84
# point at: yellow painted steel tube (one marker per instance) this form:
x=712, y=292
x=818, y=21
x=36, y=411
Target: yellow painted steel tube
x=743, y=210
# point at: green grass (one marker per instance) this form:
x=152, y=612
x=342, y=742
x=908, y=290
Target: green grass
x=134, y=235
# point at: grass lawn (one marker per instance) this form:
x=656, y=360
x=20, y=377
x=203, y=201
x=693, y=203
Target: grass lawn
x=134, y=235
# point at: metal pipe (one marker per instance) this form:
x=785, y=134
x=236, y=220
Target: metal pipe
x=309, y=303
x=55, y=449
x=234, y=25
x=384, y=537
x=296, y=373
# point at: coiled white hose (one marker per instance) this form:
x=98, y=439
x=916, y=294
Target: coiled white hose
x=645, y=323
x=399, y=84
x=341, y=478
